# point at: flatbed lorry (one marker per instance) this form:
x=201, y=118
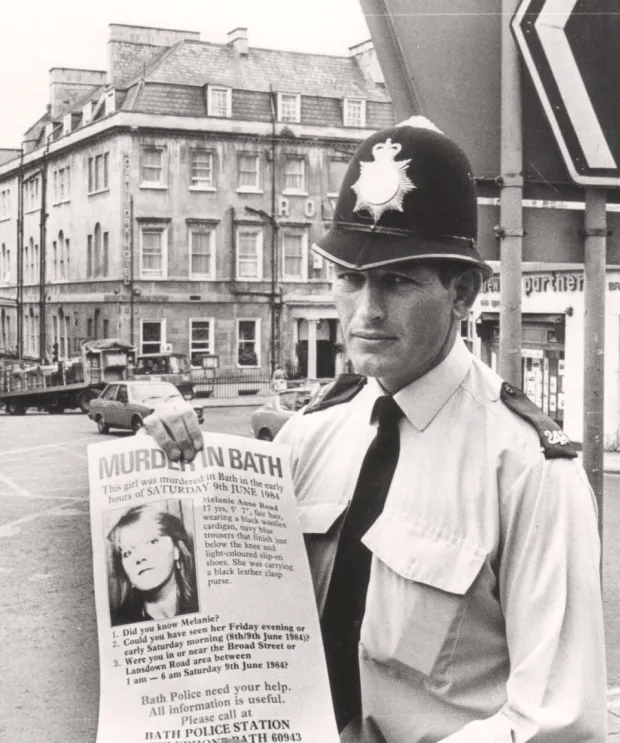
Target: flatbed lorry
x=57, y=387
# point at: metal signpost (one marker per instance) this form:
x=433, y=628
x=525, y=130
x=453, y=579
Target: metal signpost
x=457, y=62
x=570, y=49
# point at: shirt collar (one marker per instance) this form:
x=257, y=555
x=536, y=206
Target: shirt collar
x=423, y=399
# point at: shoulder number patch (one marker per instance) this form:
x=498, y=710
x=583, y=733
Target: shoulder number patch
x=554, y=442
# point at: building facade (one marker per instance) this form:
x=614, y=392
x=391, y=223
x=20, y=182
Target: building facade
x=172, y=201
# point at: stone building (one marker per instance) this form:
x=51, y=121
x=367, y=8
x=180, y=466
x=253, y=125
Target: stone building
x=172, y=201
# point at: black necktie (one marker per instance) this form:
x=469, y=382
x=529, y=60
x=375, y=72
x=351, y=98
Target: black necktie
x=346, y=596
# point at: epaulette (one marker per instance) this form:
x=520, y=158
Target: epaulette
x=554, y=442
x=341, y=390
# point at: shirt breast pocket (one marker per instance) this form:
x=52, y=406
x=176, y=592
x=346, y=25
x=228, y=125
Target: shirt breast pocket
x=420, y=585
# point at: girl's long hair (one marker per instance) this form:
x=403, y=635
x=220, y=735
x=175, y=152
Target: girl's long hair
x=185, y=567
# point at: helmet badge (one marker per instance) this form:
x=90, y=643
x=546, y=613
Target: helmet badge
x=383, y=182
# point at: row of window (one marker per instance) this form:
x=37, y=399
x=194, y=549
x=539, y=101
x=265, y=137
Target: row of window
x=294, y=259
x=202, y=340
x=202, y=170
x=202, y=175
x=294, y=262
x=288, y=107
x=58, y=266
x=68, y=341
x=152, y=336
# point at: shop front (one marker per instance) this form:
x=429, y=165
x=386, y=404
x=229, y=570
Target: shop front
x=552, y=343
x=542, y=357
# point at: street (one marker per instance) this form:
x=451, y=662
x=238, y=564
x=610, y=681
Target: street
x=49, y=676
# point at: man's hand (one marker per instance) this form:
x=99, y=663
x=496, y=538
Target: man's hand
x=174, y=426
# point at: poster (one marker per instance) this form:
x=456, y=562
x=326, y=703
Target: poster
x=207, y=623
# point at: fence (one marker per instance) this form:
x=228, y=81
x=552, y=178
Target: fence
x=235, y=385
x=231, y=385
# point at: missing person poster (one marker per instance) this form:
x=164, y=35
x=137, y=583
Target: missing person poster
x=208, y=628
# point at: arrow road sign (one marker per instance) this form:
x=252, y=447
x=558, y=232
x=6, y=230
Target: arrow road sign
x=572, y=51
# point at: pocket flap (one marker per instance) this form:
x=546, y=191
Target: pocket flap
x=424, y=554
x=318, y=518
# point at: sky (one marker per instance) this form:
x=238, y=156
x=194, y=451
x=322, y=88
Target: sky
x=40, y=34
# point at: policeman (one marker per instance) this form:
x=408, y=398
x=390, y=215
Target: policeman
x=450, y=529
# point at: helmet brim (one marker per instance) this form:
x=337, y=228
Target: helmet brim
x=357, y=249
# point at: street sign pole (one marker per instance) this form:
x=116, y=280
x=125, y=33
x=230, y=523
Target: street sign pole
x=511, y=205
x=594, y=342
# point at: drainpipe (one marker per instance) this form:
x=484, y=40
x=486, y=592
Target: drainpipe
x=42, y=252
x=275, y=313
x=131, y=274
x=20, y=258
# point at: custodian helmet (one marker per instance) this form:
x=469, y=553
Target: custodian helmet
x=408, y=194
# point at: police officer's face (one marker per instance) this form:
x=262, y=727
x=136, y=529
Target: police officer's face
x=399, y=321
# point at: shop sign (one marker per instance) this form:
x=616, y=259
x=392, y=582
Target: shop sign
x=126, y=220
x=532, y=353
x=555, y=281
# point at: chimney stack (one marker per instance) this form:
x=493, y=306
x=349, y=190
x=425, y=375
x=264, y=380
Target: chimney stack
x=368, y=61
x=238, y=39
x=68, y=85
x=131, y=48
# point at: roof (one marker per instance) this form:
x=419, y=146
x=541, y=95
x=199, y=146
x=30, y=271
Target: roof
x=173, y=80
x=197, y=63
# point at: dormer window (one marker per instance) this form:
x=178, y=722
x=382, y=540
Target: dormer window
x=219, y=101
x=87, y=112
x=289, y=107
x=110, y=102
x=66, y=123
x=354, y=113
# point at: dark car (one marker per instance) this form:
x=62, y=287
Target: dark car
x=126, y=404
x=270, y=417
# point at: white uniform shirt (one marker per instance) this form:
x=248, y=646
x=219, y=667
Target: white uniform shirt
x=483, y=615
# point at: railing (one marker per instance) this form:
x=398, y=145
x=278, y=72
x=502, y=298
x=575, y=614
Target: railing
x=235, y=385
x=231, y=385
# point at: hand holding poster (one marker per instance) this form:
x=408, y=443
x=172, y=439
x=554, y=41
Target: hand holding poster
x=208, y=629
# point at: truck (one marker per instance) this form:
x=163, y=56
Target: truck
x=69, y=384
x=166, y=366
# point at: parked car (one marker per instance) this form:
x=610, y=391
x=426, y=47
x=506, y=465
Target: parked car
x=126, y=404
x=267, y=420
